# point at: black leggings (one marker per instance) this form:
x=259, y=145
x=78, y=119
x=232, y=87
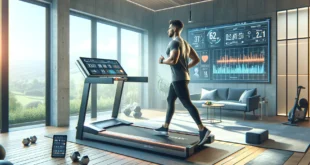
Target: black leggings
x=179, y=89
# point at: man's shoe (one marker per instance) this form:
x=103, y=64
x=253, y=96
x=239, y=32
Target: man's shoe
x=161, y=131
x=204, y=134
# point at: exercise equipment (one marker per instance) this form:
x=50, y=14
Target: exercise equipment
x=127, y=111
x=33, y=139
x=121, y=132
x=299, y=110
x=26, y=141
x=2, y=152
x=84, y=160
x=75, y=156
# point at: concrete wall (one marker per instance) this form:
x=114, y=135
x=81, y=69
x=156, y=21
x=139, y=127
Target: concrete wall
x=221, y=12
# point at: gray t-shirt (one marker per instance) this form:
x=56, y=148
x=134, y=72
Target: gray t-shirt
x=180, y=69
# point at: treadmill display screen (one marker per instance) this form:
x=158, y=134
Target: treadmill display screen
x=102, y=67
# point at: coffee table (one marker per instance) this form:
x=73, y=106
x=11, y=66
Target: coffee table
x=213, y=107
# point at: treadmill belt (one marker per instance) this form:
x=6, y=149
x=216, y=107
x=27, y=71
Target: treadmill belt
x=172, y=138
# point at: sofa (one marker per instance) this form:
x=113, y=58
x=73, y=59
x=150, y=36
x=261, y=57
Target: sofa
x=234, y=99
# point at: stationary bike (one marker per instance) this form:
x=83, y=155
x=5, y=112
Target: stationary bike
x=299, y=110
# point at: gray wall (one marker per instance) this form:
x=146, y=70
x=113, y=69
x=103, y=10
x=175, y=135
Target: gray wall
x=220, y=12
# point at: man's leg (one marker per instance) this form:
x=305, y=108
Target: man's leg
x=170, y=111
x=172, y=96
x=182, y=92
x=181, y=89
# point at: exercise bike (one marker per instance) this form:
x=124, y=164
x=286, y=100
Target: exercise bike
x=299, y=110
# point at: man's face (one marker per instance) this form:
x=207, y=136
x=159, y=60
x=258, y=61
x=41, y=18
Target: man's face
x=171, y=31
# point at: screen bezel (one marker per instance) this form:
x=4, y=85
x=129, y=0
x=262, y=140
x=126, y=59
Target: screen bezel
x=102, y=75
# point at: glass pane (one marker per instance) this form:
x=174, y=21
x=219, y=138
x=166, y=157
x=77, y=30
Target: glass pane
x=281, y=25
x=303, y=22
x=291, y=90
x=131, y=58
x=303, y=57
x=106, y=48
x=281, y=58
x=80, y=46
x=292, y=57
x=292, y=23
x=303, y=81
x=281, y=95
x=27, y=48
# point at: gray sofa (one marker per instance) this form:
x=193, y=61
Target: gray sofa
x=230, y=98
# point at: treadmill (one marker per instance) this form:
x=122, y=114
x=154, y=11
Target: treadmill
x=121, y=132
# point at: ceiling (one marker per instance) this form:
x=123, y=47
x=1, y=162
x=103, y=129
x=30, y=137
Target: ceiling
x=158, y=5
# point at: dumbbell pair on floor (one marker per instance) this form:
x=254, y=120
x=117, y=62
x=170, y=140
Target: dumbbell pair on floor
x=137, y=111
x=27, y=141
x=75, y=157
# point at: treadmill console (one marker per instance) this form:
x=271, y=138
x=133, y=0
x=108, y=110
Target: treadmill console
x=97, y=67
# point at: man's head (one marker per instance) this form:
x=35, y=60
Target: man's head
x=175, y=27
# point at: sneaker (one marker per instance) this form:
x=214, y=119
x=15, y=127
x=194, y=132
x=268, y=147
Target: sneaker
x=204, y=134
x=161, y=131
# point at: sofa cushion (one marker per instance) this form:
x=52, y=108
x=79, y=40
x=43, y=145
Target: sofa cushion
x=221, y=93
x=208, y=94
x=245, y=95
x=235, y=93
x=233, y=105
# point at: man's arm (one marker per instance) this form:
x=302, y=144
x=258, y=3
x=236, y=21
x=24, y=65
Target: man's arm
x=173, y=57
x=194, y=58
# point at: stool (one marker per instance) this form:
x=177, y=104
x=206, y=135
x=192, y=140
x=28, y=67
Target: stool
x=256, y=136
x=4, y=162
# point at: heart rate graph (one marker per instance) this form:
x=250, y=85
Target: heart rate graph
x=246, y=63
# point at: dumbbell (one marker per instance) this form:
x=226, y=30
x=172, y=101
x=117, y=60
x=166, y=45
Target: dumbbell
x=127, y=111
x=26, y=141
x=2, y=152
x=33, y=139
x=75, y=157
x=137, y=112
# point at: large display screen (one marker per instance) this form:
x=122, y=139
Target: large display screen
x=102, y=67
x=238, y=52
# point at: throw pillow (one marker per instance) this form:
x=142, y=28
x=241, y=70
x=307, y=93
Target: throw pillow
x=245, y=95
x=208, y=94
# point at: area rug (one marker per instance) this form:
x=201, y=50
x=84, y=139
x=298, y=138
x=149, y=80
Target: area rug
x=281, y=137
x=210, y=154
x=271, y=157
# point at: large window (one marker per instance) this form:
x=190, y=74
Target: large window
x=80, y=46
x=111, y=41
x=107, y=49
x=292, y=57
x=27, y=62
x=131, y=61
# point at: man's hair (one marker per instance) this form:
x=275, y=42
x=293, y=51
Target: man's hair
x=177, y=23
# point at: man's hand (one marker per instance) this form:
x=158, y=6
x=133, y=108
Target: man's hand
x=161, y=58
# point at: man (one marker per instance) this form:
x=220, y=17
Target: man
x=178, y=52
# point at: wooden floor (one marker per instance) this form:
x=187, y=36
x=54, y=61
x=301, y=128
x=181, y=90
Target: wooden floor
x=40, y=153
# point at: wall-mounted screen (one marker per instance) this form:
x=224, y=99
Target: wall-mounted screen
x=238, y=52
x=101, y=67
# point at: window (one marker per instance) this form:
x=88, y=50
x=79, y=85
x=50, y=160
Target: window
x=27, y=62
x=80, y=46
x=131, y=58
x=107, y=49
x=292, y=57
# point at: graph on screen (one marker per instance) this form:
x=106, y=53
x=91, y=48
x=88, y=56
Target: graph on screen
x=236, y=52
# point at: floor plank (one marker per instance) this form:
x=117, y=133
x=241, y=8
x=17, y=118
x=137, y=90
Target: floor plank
x=305, y=159
x=295, y=158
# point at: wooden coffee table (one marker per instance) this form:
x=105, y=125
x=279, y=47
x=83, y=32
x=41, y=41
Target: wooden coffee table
x=213, y=107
